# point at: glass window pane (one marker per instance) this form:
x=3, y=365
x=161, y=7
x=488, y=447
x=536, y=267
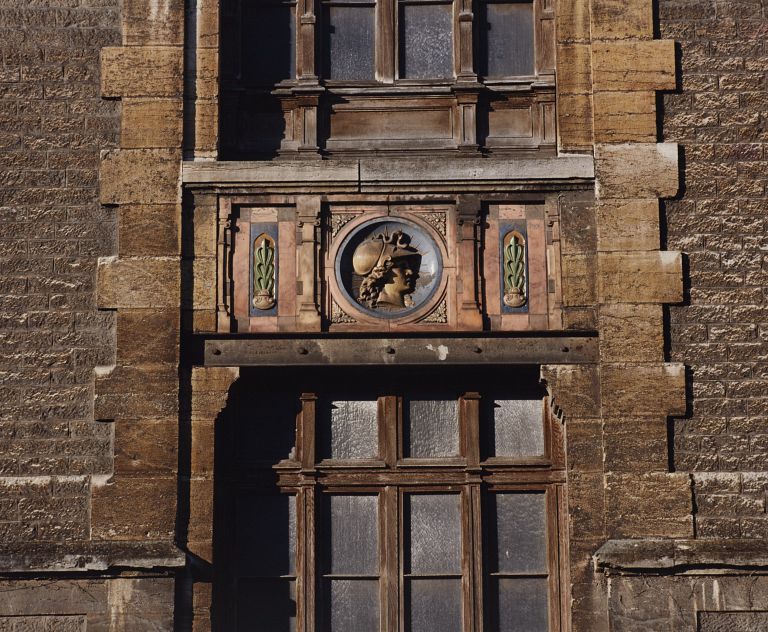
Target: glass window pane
x=266, y=535
x=518, y=604
x=351, y=534
x=431, y=428
x=349, y=42
x=516, y=427
x=434, y=533
x=521, y=533
x=266, y=605
x=426, y=41
x=269, y=42
x=434, y=605
x=353, y=605
x=352, y=430
x=509, y=39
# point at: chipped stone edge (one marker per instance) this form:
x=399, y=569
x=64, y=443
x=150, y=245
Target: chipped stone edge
x=89, y=556
x=658, y=555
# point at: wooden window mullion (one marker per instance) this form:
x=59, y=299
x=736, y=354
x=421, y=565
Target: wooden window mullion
x=385, y=40
x=463, y=40
x=306, y=547
x=469, y=429
x=390, y=576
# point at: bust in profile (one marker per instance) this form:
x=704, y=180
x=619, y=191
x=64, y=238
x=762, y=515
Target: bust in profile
x=389, y=266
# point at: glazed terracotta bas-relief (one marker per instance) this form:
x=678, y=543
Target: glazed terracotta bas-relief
x=399, y=266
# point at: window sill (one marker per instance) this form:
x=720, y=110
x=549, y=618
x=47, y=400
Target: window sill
x=391, y=173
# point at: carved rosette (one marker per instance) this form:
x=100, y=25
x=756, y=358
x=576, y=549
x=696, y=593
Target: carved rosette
x=339, y=316
x=514, y=270
x=439, y=315
x=438, y=221
x=263, y=272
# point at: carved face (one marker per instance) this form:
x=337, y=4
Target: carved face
x=401, y=281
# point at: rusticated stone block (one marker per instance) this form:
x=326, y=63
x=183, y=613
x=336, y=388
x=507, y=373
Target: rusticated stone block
x=158, y=331
x=203, y=448
x=574, y=69
x=210, y=389
x=730, y=621
x=574, y=389
x=201, y=516
x=586, y=505
x=619, y=19
x=637, y=170
x=207, y=77
x=22, y=597
x=153, y=22
x=149, y=123
x=140, y=176
x=628, y=225
x=585, y=445
x=203, y=284
x=206, y=128
x=138, y=283
x=142, y=71
x=578, y=234
x=208, y=24
x=149, y=230
x=625, y=117
x=648, y=505
x=133, y=508
x=631, y=333
x=579, y=286
x=574, y=121
x=634, y=65
x=640, y=277
x=146, y=448
x=643, y=390
x=636, y=445
x=573, y=21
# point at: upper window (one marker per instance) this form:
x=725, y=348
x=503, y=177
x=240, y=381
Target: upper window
x=388, y=40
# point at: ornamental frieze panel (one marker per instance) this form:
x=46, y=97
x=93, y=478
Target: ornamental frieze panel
x=312, y=264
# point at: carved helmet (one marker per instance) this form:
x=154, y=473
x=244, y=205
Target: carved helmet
x=381, y=248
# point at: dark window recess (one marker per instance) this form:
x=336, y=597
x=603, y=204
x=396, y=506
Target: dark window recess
x=269, y=43
x=266, y=572
x=348, y=41
x=425, y=41
x=506, y=39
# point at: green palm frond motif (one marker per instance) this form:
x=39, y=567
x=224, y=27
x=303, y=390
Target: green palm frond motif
x=264, y=265
x=263, y=272
x=514, y=271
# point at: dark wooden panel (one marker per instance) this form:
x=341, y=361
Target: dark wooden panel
x=317, y=351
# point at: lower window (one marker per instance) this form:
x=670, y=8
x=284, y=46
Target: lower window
x=396, y=510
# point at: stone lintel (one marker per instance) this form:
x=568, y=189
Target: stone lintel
x=656, y=555
x=80, y=557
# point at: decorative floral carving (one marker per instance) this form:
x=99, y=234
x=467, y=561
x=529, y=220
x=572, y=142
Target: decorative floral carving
x=339, y=220
x=437, y=220
x=439, y=315
x=264, y=272
x=514, y=270
x=339, y=316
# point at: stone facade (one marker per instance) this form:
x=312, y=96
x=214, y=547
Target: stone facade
x=106, y=467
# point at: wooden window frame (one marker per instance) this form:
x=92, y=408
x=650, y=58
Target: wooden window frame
x=308, y=477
